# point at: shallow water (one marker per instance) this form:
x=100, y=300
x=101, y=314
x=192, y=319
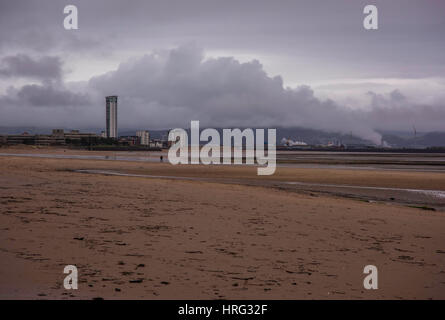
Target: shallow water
x=433, y=193
x=81, y=157
x=154, y=157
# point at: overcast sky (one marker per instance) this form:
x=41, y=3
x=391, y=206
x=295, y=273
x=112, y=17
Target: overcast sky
x=227, y=63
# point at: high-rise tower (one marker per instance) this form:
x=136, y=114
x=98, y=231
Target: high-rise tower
x=111, y=109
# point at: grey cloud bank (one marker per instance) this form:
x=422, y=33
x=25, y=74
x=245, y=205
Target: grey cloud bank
x=21, y=65
x=300, y=42
x=168, y=88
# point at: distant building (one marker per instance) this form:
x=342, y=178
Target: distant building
x=144, y=137
x=111, y=110
x=128, y=140
x=156, y=143
x=76, y=135
x=58, y=137
x=58, y=133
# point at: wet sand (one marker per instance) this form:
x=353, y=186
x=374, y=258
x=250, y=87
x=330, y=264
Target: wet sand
x=233, y=236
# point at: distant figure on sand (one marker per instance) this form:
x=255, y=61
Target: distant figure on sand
x=161, y=158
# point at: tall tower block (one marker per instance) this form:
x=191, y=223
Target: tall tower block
x=111, y=110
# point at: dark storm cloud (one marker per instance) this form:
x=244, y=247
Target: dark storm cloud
x=314, y=39
x=50, y=92
x=21, y=65
x=329, y=34
x=174, y=87
x=394, y=111
x=168, y=88
x=37, y=27
x=43, y=95
x=47, y=95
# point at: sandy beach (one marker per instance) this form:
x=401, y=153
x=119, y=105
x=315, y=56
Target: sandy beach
x=225, y=234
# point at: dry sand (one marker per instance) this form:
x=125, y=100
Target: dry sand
x=147, y=238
